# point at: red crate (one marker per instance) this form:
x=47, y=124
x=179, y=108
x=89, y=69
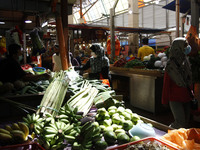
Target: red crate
x=124, y=146
x=27, y=146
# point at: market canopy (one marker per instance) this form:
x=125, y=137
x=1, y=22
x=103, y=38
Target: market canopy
x=184, y=6
x=121, y=29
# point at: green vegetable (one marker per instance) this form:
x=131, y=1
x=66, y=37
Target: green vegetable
x=117, y=131
x=110, y=137
x=123, y=138
x=134, y=63
x=100, y=145
x=134, y=138
x=127, y=125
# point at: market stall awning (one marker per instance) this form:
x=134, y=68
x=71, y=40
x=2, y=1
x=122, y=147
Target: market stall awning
x=184, y=6
x=121, y=29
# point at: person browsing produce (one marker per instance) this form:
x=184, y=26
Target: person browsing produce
x=56, y=60
x=11, y=69
x=98, y=63
x=177, y=79
x=145, y=50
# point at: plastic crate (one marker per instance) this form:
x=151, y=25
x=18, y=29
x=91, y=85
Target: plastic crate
x=146, y=140
x=27, y=146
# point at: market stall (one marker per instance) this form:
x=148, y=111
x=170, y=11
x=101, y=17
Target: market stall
x=145, y=87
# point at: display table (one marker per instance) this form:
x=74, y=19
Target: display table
x=145, y=87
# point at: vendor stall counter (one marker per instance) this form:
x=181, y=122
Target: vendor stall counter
x=145, y=87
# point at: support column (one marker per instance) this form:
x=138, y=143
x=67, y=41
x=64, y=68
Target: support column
x=64, y=15
x=133, y=21
x=112, y=33
x=177, y=17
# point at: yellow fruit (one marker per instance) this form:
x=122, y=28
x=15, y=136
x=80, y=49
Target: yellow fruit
x=8, y=128
x=4, y=131
x=18, y=135
x=5, y=137
x=24, y=128
x=15, y=126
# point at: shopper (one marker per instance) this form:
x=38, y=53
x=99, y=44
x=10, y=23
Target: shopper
x=11, y=69
x=98, y=63
x=176, y=79
x=145, y=50
x=77, y=55
x=56, y=60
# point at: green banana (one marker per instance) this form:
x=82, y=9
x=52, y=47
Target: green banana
x=85, y=126
x=88, y=145
x=18, y=135
x=49, y=136
x=8, y=128
x=29, y=118
x=24, y=128
x=5, y=137
x=15, y=126
x=53, y=126
x=63, y=116
x=67, y=130
x=76, y=146
x=69, y=138
x=50, y=130
x=64, y=120
x=4, y=131
x=25, y=120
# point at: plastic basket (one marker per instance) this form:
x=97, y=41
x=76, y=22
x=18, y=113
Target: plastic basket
x=39, y=70
x=124, y=146
x=27, y=146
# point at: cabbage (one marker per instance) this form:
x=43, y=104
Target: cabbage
x=158, y=64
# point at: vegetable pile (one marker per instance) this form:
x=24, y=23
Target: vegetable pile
x=134, y=63
x=55, y=94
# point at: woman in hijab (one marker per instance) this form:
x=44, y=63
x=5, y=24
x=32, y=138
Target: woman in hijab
x=177, y=79
x=98, y=63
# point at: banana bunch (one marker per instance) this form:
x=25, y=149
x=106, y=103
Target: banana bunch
x=14, y=133
x=54, y=135
x=71, y=114
x=90, y=133
x=34, y=122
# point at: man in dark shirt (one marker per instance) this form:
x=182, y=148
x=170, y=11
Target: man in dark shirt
x=11, y=69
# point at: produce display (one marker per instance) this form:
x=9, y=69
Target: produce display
x=151, y=61
x=149, y=145
x=183, y=138
x=134, y=63
x=22, y=88
x=14, y=133
x=91, y=119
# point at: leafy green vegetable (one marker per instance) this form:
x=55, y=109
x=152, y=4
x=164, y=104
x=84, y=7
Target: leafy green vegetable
x=134, y=63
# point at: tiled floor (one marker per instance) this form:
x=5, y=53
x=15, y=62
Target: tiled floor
x=165, y=118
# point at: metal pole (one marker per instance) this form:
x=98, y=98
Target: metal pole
x=24, y=47
x=177, y=18
x=167, y=16
x=182, y=26
x=195, y=15
x=112, y=34
x=81, y=9
x=112, y=30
